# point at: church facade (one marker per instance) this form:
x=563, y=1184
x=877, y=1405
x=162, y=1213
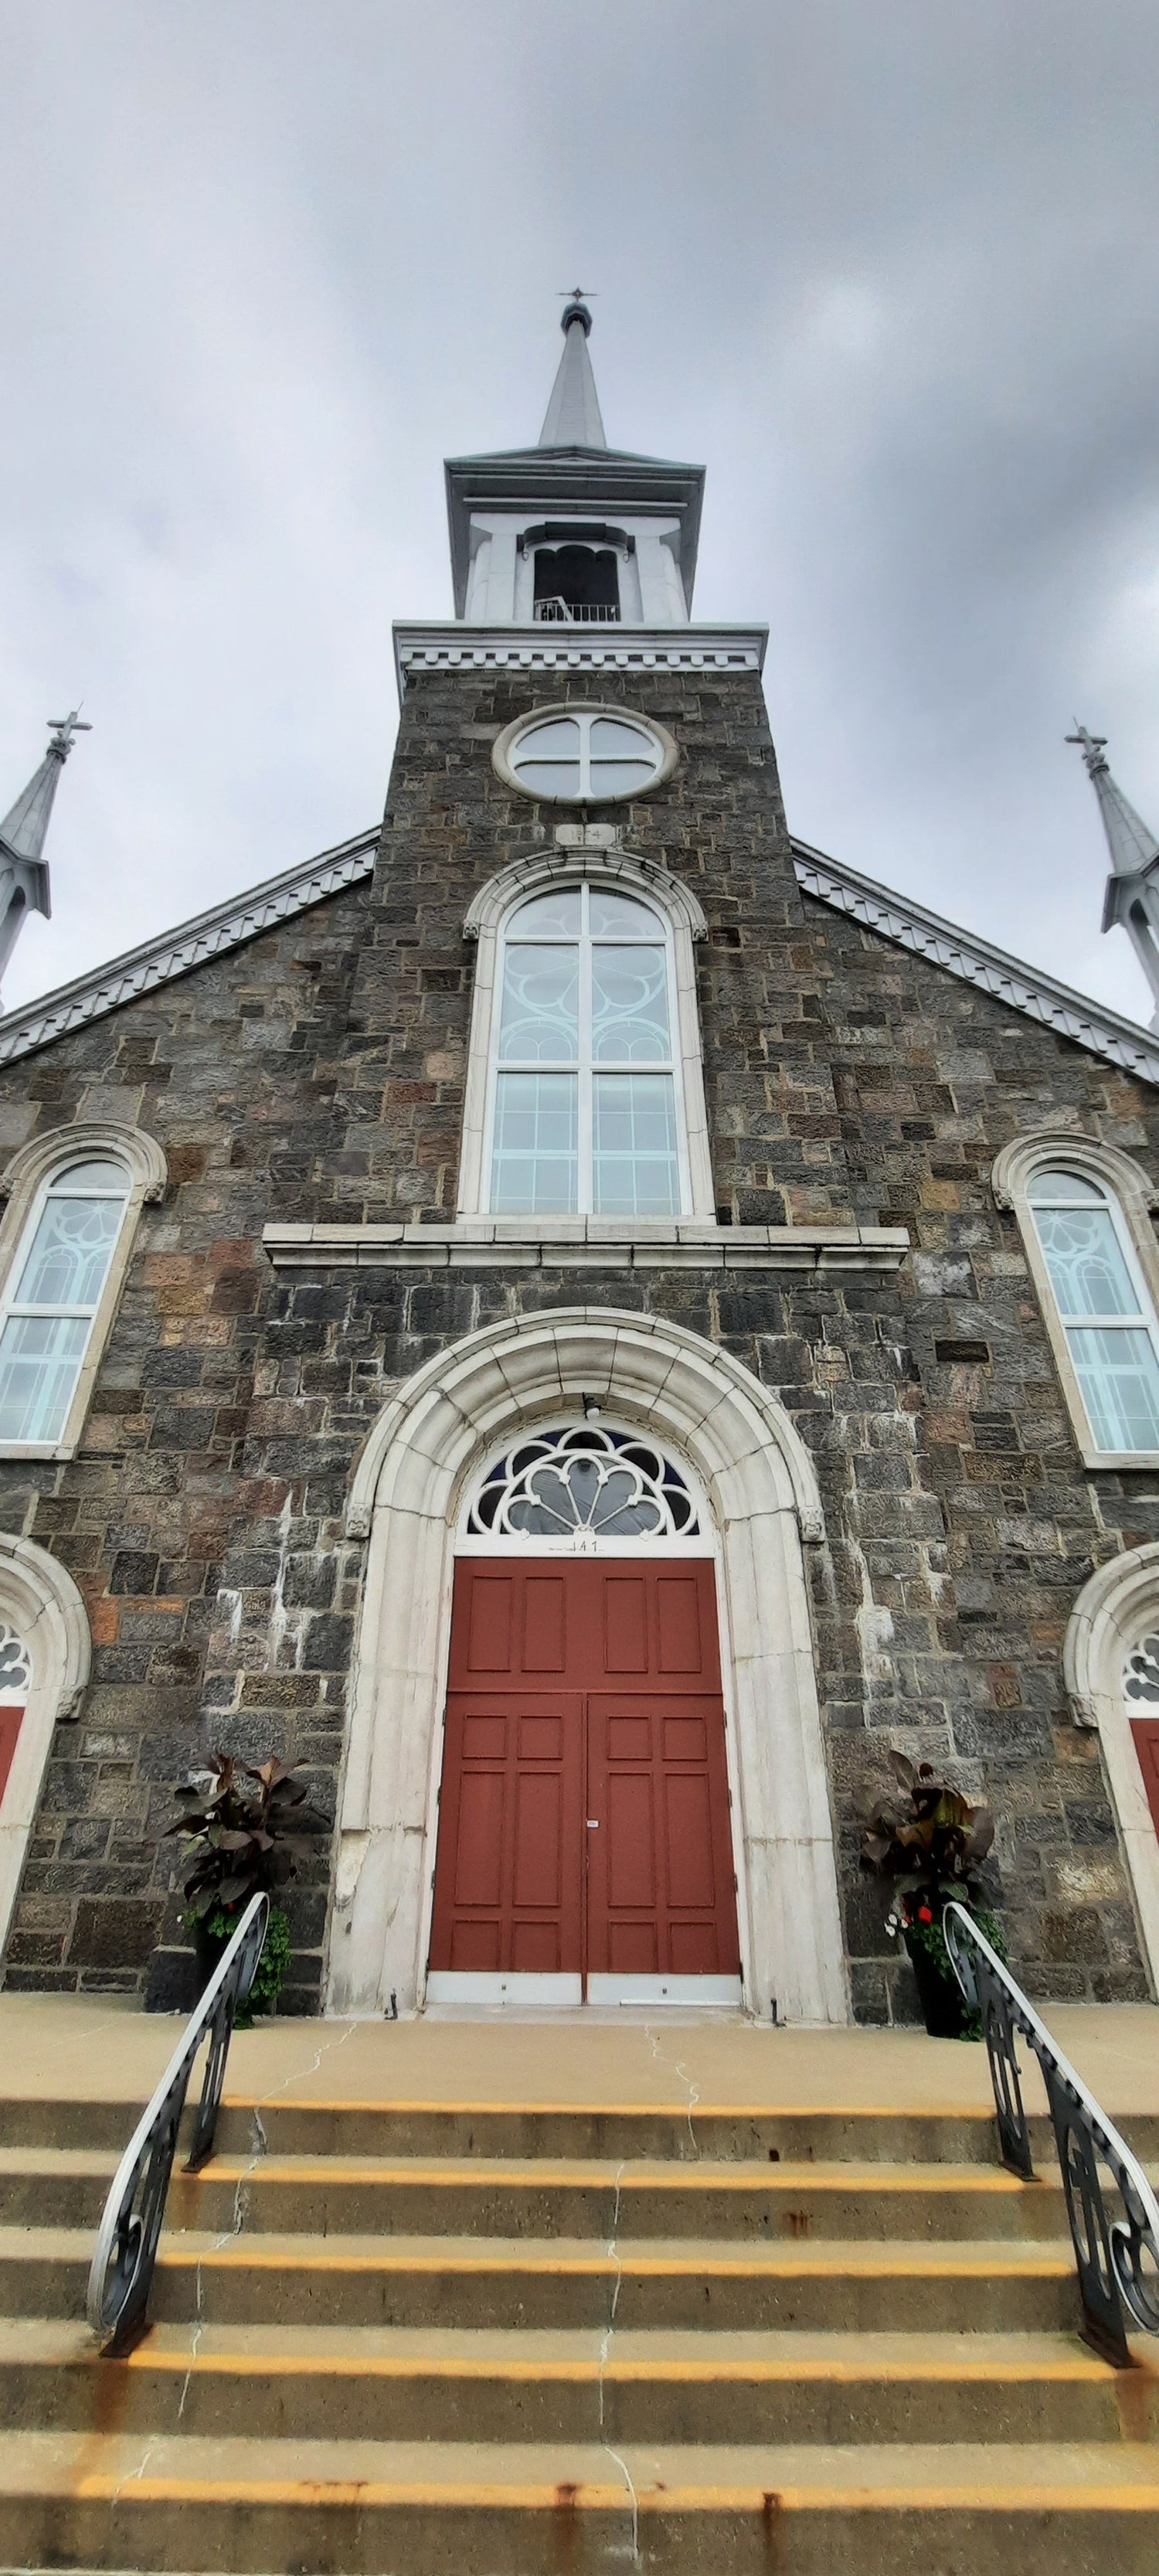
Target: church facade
x=584, y=1321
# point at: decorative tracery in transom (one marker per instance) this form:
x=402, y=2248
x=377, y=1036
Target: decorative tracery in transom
x=15, y=1667
x=1141, y=1671
x=583, y=1484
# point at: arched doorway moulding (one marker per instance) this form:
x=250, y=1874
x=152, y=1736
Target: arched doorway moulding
x=1114, y=1611
x=40, y=1600
x=763, y=1492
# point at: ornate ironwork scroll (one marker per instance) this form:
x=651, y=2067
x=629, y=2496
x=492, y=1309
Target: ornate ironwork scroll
x=1117, y=2258
x=126, y=2249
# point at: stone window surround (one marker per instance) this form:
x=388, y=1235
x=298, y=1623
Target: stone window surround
x=1045, y=1148
x=593, y=853
x=1115, y=1609
x=26, y=1176
x=406, y=1497
x=40, y=1600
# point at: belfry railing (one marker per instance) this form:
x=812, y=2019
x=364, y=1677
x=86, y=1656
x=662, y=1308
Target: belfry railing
x=1117, y=2256
x=126, y=2248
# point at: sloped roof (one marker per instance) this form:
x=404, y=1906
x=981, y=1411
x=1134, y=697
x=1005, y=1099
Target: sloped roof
x=895, y=917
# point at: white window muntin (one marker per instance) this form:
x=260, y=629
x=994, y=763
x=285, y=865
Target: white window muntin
x=53, y=1295
x=683, y=1524
x=1112, y=1340
x=584, y=1067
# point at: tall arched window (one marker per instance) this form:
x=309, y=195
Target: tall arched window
x=52, y=1295
x=74, y=1197
x=585, y=1114
x=1083, y=1208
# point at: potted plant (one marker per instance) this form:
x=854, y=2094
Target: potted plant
x=930, y=1843
x=242, y=1826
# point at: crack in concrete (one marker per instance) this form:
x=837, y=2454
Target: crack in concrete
x=678, y=2068
x=615, y=2256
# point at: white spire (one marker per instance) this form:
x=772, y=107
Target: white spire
x=573, y=414
x=1132, y=892
x=24, y=883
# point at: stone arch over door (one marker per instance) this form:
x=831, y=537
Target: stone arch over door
x=40, y=1602
x=1114, y=1612
x=763, y=1493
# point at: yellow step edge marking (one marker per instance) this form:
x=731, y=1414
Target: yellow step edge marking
x=788, y=2260
x=615, y=2110
x=520, y=2173
x=583, y=2372
x=1053, y=2498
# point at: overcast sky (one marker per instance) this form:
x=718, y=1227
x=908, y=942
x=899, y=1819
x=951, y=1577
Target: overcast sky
x=891, y=269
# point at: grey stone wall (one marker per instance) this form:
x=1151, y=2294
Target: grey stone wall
x=318, y=1073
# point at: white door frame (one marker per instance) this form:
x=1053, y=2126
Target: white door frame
x=762, y=1490
x=39, y=1599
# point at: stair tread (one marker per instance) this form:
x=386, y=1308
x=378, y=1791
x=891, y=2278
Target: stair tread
x=583, y=2353
x=150, y=2468
x=689, y=2173
x=187, y=2248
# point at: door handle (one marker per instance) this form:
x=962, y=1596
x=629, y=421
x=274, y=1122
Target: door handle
x=593, y=1824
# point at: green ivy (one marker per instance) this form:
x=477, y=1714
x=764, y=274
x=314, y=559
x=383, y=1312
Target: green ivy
x=931, y=1938
x=272, y=1966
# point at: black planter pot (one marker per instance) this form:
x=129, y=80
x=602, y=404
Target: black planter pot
x=944, y=2007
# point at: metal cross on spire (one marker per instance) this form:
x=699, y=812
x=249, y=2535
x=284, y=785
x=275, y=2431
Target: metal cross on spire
x=1132, y=893
x=64, y=728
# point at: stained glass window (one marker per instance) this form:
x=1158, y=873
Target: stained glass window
x=585, y=988
x=54, y=1291
x=583, y=1482
x=1103, y=1307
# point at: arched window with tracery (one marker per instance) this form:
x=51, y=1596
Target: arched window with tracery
x=585, y=1114
x=1084, y=1212
x=73, y=1202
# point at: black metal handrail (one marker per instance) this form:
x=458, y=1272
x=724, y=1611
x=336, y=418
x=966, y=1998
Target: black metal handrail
x=126, y=2249
x=1110, y=2252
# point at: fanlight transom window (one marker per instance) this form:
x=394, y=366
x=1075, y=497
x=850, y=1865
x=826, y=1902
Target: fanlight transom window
x=53, y=1293
x=1103, y=1305
x=586, y=1116
x=580, y=758
x=583, y=1485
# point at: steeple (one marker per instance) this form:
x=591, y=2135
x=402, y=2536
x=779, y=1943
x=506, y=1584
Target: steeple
x=1132, y=892
x=23, y=867
x=573, y=414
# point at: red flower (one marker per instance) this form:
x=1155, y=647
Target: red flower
x=924, y=1914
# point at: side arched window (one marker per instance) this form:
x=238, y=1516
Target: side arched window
x=1084, y=1214
x=73, y=1203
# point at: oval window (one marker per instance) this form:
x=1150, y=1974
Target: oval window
x=584, y=756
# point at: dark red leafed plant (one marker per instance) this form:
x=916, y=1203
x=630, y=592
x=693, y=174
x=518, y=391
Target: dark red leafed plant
x=929, y=1841
x=243, y=1827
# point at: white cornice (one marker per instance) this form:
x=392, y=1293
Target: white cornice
x=160, y=961
x=455, y=647
x=958, y=952
x=585, y=1243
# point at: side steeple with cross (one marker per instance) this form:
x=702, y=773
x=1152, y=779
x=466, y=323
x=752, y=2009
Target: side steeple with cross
x=1132, y=892
x=24, y=884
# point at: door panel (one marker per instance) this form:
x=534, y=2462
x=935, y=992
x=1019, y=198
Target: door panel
x=508, y=1882
x=1145, y=1731
x=660, y=1887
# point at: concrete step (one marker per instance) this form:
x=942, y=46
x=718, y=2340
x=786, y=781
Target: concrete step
x=614, y=2131
x=176, y=2502
x=337, y=2195
x=339, y=2384
x=446, y=2281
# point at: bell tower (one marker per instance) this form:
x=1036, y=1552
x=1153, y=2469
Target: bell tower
x=573, y=532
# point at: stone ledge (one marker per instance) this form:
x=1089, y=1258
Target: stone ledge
x=585, y=1243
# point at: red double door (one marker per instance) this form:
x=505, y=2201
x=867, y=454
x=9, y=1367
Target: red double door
x=584, y=1814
